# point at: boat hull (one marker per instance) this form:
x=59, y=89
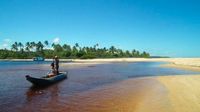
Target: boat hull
x=44, y=81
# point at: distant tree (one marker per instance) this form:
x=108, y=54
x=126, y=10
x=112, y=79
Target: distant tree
x=57, y=48
x=32, y=46
x=127, y=53
x=27, y=48
x=46, y=43
x=137, y=54
x=20, y=45
x=120, y=52
x=66, y=51
x=145, y=54
x=74, y=49
x=14, y=46
x=77, y=46
x=67, y=47
x=39, y=46
x=95, y=46
x=4, y=54
x=52, y=45
x=112, y=49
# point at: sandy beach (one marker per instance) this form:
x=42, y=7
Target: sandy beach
x=180, y=63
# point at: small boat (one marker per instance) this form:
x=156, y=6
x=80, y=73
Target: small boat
x=38, y=59
x=46, y=80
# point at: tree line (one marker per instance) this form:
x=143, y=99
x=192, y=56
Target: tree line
x=45, y=49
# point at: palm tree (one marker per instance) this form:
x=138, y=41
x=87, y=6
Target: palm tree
x=120, y=52
x=145, y=54
x=20, y=45
x=27, y=46
x=74, y=49
x=46, y=43
x=112, y=49
x=66, y=47
x=32, y=45
x=87, y=49
x=14, y=46
x=84, y=49
x=57, y=47
x=71, y=52
x=95, y=46
x=133, y=53
x=137, y=54
x=77, y=46
x=39, y=46
x=128, y=54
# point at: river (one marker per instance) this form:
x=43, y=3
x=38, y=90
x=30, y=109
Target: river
x=18, y=95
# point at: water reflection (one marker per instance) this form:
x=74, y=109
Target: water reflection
x=51, y=90
x=34, y=91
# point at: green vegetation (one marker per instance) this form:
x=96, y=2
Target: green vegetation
x=33, y=49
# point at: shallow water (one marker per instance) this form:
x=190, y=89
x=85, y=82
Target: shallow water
x=18, y=95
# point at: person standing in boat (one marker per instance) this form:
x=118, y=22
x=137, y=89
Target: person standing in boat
x=56, y=62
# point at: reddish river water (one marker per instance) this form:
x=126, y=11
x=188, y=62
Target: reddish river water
x=70, y=95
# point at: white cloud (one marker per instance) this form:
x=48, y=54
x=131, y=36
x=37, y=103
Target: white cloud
x=6, y=43
x=56, y=40
x=7, y=40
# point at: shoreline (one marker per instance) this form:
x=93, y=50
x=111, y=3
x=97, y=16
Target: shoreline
x=184, y=67
x=89, y=60
x=179, y=63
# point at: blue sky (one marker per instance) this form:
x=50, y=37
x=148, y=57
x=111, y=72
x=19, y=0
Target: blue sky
x=161, y=27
